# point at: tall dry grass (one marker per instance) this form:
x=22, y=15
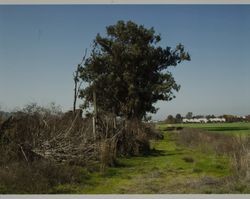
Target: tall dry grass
x=38, y=177
x=237, y=147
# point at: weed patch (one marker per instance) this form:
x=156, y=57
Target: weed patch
x=188, y=159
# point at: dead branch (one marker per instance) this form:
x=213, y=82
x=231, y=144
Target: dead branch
x=76, y=81
x=23, y=153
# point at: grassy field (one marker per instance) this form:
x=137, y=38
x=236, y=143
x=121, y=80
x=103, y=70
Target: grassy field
x=242, y=128
x=171, y=168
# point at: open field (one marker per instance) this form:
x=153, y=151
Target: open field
x=242, y=128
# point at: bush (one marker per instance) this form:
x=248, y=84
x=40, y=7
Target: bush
x=41, y=148
x=188, y=159
x=125, y=138
x=38, y=132
x=38, y=177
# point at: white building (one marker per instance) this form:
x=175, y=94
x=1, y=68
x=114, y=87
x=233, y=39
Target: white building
x=217, y=119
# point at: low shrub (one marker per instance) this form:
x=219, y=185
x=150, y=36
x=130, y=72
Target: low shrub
x=38, y=177
x=188, y=159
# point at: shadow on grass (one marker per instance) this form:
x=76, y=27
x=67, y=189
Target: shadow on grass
x=156, y=153
x=174, y=153
x=172, y=128
x=226, y=128
x=120, y=163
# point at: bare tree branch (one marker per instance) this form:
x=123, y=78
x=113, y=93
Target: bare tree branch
x=76, y=82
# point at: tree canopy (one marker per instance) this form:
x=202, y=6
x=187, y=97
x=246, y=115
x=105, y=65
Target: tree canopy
x=189, y=115
x=178, y=118
x=127, y=70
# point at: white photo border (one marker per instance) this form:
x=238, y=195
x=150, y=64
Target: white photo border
x=125, y=196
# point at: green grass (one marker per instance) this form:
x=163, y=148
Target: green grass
x=164, y=171
x=170, y=168
x=236, y=128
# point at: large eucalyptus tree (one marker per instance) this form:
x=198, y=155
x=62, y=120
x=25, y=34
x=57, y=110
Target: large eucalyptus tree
x=127, y=70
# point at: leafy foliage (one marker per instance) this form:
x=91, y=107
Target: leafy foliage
x=178, y=118
x=189, y=115
x=127, y=70
x=170, y=119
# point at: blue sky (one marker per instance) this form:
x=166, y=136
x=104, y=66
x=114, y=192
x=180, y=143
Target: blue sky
x=41, y=45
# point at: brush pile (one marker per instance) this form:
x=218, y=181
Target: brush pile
x=58, y=137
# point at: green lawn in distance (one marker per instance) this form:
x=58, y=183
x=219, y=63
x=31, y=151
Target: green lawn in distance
x=235, y=128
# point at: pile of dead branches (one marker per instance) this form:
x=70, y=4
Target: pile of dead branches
x=58, y=138
x=69, y=137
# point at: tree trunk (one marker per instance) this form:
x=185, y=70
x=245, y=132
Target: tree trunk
x=75, y=92
x=95, y=114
